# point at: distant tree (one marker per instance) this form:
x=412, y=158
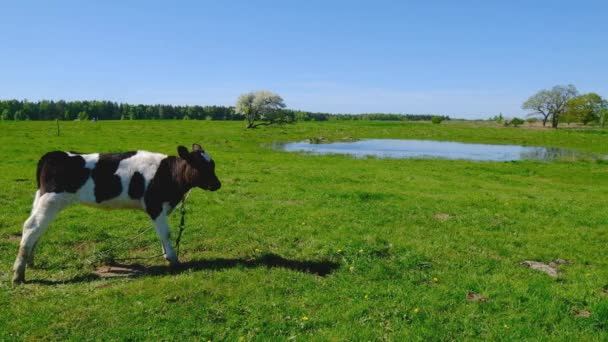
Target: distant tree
x=83, y=116
x=498, y=118
x=436, y=120
x=585, y=108
x=67, y=115
x=603, y=114
x=6, y=115
x=262, y=106
x=20, y=115
x=550, y=104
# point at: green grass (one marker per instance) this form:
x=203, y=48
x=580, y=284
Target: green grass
x=391, y=227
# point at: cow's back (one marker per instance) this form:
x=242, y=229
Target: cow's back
x=114, y=180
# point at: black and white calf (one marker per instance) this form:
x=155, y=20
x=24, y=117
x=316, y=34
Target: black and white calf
x=149, y=181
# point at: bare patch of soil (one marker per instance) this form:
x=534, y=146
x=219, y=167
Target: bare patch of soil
x=118, y=270
x=442, y=216
x=475, y=297
x=550, y=268
x=14, y=237
x=581, y=313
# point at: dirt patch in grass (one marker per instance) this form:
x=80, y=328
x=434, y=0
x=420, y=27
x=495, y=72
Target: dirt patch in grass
x=475, y=297
x=118, y=270
x=550, y=268
x=14, y=237
x=442, y=216
x=581, y=313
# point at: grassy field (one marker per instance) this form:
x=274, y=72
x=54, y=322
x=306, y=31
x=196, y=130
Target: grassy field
x=297, y=247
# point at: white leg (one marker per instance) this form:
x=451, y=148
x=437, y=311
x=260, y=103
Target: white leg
x=36, y=198
x=46, y=208
x=162, y=229
x=30, y=257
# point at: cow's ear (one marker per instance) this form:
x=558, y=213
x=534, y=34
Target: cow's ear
x=183, y=152
x=197, y=148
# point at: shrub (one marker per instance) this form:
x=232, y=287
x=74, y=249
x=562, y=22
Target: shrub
x=517, y=121
x=436, y=119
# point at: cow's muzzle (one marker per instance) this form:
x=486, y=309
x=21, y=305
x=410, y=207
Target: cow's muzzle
x=213, y=187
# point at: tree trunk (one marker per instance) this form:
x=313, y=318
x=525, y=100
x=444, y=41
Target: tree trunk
x=554, y=121
x=250, y=121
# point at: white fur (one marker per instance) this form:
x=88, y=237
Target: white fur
x=143, y=162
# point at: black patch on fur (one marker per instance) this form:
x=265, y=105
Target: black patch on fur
x=168, y=185
x=136, y=186
x=107, y=184
x=59, y=172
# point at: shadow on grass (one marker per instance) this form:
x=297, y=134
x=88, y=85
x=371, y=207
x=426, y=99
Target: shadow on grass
x=118, y=270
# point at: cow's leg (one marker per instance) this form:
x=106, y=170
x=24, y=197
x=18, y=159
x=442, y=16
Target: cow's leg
x=30, y=256
x=162, y=229
x=46, y=208
x=36, y=198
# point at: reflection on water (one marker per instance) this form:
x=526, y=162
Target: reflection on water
x=400, y=149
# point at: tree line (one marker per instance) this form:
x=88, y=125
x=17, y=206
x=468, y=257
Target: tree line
x=109, y=110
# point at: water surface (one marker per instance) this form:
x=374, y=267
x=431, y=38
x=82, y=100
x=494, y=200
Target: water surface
x=403, y=149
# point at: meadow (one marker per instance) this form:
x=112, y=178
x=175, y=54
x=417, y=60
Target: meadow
x=299, y=247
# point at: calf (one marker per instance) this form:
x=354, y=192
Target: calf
x=149, y=181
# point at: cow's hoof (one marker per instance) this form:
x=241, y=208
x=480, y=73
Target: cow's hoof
x=172, y=260
x=18, y=278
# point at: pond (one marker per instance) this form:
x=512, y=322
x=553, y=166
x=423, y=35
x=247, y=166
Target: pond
x=405, y=149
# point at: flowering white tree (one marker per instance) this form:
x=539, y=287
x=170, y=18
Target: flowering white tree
x=261, y=105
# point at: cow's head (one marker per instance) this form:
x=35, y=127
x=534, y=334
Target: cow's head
x=202, y=162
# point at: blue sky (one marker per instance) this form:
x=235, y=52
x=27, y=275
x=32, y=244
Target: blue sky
x=466, y=59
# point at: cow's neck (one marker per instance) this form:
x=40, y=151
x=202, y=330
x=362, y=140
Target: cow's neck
x=185, y=176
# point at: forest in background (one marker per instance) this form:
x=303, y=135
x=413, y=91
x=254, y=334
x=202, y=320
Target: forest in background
x=108, y=110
